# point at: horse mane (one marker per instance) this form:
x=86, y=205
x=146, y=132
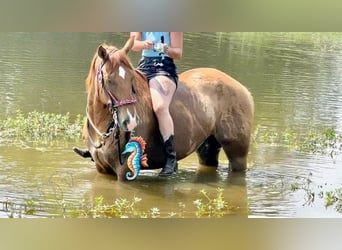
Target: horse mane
x=92, y=72
x=115, y=58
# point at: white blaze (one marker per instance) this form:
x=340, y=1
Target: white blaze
x=133, y=120
x=122, y=72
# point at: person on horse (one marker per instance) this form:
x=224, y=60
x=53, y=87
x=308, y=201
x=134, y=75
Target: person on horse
x=159, y=49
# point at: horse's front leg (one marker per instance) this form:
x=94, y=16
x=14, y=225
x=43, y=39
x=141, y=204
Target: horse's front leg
x=82, y=152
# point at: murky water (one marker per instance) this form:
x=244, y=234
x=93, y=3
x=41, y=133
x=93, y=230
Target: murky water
x=296, y=83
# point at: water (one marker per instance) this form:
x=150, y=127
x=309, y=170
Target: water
x=296, y=83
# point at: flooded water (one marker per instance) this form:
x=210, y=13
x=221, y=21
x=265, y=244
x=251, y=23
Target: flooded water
x=295, y=79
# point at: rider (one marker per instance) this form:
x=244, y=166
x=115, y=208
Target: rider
x=158, y=51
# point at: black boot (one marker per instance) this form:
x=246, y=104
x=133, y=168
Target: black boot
x=171, y=165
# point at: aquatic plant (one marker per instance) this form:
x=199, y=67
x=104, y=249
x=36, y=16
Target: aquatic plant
x=330, y=197
x=326, y=141
x=207, y=206
x=304, y=184
x=19, y=210
x=39, y=127
x=211, y=207
x=46, y=128
x=334, y=198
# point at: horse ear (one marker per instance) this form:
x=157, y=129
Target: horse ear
x=129, y=44
x=102, y=52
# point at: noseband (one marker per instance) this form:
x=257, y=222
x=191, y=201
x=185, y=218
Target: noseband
x=114, y=105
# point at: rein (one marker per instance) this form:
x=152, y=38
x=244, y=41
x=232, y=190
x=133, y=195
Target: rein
x=114, y=105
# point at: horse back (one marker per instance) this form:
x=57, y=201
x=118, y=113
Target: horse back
x=222, y=90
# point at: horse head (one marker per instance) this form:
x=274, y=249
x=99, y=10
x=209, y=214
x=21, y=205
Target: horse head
x=111, y=107
x=116, y=81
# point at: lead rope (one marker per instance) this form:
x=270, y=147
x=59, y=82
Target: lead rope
x=117, y=136
x=114, y=110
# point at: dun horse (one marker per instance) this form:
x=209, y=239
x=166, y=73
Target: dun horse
x=210, y=110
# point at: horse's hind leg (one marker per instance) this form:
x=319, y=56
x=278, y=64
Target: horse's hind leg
x=208, y=152
x=236, y=152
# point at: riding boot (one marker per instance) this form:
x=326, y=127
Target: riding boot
x=171, y=165
x=82, y=152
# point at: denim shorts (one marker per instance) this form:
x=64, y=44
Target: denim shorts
x=158, y=66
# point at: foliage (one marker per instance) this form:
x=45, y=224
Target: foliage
x=326, y=141
x=334, y=198
x=305, y=185
x=123, y=208
x=39, y=127
x=209, y=207
x=44, y=128
x=331, y=197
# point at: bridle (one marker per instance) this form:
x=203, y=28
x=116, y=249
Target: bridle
x=114, y=105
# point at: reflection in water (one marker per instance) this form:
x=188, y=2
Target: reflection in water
x=296, y=83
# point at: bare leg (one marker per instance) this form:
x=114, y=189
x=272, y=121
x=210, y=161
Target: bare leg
x=162, y=90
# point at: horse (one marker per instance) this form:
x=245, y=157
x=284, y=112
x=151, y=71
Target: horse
x=211, y=111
